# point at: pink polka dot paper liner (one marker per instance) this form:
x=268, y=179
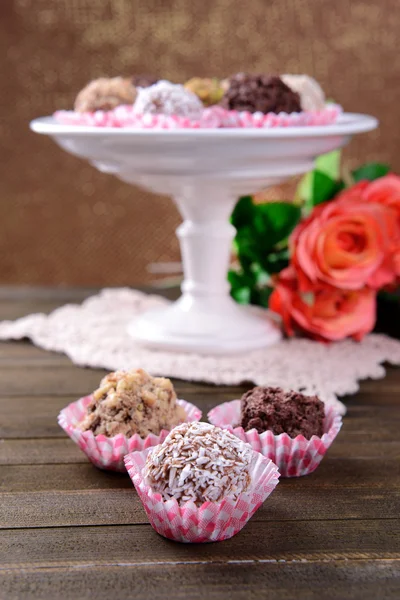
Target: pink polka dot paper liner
x=108, y=452
x=294, y=457
x=212, y=521
x=211, y=118
x=258, y=120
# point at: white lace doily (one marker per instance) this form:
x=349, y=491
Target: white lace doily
x=94, y=334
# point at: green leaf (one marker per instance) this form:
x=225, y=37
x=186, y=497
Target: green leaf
x=274, y=262
x=241, y=286
x=243, y=212
x=329, y=164
x=241, y=295
x=261, y=227
x=323, y=188
x=393, y=296
x=247, y=243
x=239, y=279
x=370, y=172
x=275, y=221
x=261, y=297
x=262, y=277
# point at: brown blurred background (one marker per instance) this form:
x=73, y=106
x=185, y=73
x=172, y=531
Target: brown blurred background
x=61, y=221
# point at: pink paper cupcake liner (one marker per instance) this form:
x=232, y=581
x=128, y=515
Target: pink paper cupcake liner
x=213, y=117
x=294, y=457
x=123, y=116
x=108, y=452
x=212, y=521
x=258, y=120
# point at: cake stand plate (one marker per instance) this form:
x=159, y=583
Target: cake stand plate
x=205, y=171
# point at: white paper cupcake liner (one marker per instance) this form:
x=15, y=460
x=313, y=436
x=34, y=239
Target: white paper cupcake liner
x=108, y=452
x=294, y=457
x=212, y=118
x=212, y=521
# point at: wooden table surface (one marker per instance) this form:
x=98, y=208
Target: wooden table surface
x=72, y=531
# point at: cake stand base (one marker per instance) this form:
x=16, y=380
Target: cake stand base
x=205, y=327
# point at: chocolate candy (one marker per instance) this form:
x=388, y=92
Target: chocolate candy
x=200, y=463
x=260, y=93
x=273, y=409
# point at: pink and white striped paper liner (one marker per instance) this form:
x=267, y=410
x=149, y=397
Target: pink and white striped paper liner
x=108, y=452
x=294, y=457
x=211, y=118
x=212, y=521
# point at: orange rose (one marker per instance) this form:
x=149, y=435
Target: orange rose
x=324, y=313
x=344, y=243
x=386, y=191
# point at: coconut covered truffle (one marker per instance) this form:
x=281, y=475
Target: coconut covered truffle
x=199, y=462
x=311, y=94
x=130, y=402
x=273, y=409
x=260, y=93
x=105, y=94
x=168, y=99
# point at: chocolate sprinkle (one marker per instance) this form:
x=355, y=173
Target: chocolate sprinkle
x=273, y=409
x=260, y=93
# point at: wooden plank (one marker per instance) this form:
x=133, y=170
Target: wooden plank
x=139, y=544
x=119, y=506
x=48, y=381
x=38, y=478
x=11, y=310
x=68, y=379
x=331, y=474
x=20, y=420
x=379, y=424
x=20, y=352
x=252, y=580
x=336, y=531
x=38, y=294
x=47, y=374
x=80, y=494
x=39, y=451
x=27, y=417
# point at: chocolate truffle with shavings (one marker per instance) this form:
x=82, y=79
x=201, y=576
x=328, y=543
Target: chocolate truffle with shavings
x=273, y=409
x=105, y=94
x=199, y=462
x=130, y=402
x=260, y=93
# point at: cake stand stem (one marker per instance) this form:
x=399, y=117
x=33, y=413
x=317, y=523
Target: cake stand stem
x=205, y=319
x=205, y=238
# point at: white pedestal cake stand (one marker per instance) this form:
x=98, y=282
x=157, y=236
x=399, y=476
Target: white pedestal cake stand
x=205, y=171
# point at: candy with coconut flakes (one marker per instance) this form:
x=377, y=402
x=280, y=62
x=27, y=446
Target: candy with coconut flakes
x=199, y=462
x=130, y=402
x=311, y=94
x=105, y=94
x=168, y=99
